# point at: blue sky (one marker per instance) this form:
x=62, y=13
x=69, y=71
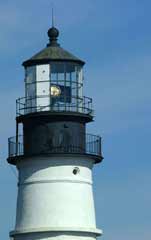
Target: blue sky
x=114, y=38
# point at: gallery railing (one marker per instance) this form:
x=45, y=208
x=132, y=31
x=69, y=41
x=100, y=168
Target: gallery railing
x=42, y=103
x=92, y=146
x=15, y=146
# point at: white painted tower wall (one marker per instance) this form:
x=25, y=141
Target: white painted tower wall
x=53, y=203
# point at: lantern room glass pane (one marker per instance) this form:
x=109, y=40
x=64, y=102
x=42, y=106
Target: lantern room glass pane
x=67, y=74
x=30, y=88
x=30, y=74
x=68, y=77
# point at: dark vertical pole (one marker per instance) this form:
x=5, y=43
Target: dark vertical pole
x=100, y=150
x=77, y=92
x=50, y=79
x=72, y=99
x=65, y=93
x=16, y=137
x=9, y=146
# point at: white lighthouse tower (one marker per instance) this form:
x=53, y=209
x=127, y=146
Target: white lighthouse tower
x=54, y=156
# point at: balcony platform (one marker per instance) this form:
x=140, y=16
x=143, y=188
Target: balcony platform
x=92, y=149
x=43, y=106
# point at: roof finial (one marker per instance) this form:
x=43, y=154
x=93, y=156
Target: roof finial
x=53, y=32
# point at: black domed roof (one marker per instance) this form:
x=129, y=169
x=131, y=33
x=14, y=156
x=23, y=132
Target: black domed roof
x=53, y=52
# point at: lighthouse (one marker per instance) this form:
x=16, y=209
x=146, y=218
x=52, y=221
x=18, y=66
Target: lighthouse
x=52, y=151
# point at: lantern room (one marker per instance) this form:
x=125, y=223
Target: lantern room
x=54, y=81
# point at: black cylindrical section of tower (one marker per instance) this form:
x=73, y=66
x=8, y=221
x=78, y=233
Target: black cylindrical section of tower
x=49, y=134
x=45, y=137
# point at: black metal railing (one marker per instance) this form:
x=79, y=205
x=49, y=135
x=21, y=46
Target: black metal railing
x=92, y=146
x=27, y=105
x=15, y=146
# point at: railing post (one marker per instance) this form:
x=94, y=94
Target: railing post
x=84, y=107
x=100, y=146
x=16, y=108
x=16, y=137
x=9, y=147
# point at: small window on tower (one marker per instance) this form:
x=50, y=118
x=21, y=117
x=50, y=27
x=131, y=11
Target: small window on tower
x=76, y=171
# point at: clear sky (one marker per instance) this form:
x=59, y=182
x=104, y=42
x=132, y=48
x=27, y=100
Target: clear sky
x=114, y=38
